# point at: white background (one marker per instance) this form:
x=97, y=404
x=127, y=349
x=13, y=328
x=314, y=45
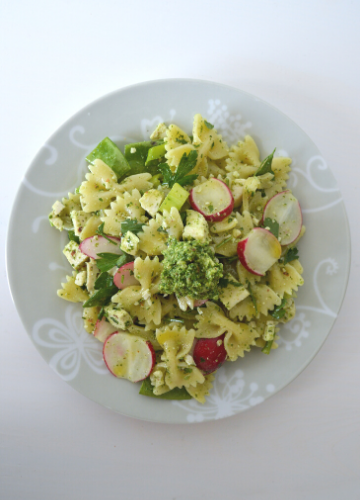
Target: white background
x=302, y=57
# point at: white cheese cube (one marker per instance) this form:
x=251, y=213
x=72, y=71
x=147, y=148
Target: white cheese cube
x=80, y=278
x=130, y=243
x=79, y=219
x=57, y=207
x=75, y=257
x=196, y=227
x=118, y=317
x=92, y=274
x=151, y=201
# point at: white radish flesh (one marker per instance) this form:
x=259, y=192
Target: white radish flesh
x=213, y=199
x=124, y=276
x=128, y=356
x=285, y=209
x=98, y=244
x=103, y=329
x=259, y=251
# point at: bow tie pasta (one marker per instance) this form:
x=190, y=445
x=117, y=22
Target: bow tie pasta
x=182, y=254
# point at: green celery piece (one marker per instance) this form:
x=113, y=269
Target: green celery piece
x=176, y=198
x=138, y=159
x=146, y=389
x=110, y=154
x=155, y=153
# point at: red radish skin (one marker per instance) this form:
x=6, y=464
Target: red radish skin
x=258, y=251
x=124, y=276
x=285, y=209
x=214, y=192
x=209, y=354
x=199, y=303
x=98, y=244
x=129, y=356
x=103, y=329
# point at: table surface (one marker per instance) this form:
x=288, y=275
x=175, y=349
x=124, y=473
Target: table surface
x=302, y=443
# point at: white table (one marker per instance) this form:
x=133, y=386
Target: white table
x=303, y=57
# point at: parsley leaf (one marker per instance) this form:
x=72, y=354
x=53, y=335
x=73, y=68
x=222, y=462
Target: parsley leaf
x=101, y=297
x=131, y=225
x=109, y=260
x=100, y=232
x=265, y=166
x=103, y=281
x=72, y=237
x=187, y=163
x=208, y=125
x=272, y=225
x=291, y=254
x=101, y=314
x=279, y=312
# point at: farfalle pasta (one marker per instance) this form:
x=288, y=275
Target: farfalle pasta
x=183, y=255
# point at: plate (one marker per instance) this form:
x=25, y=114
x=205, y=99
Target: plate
x=36, y=265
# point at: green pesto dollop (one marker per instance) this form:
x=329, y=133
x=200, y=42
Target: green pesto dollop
x=190, y=269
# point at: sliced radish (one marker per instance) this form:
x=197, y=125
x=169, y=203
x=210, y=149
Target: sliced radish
x=98, y=244
x=128, y=356
x=213, y=199
x=103, y=329
x=286, y=210
x=209, y=354
x=199, y=303
x=258, y=251
x=124, y=276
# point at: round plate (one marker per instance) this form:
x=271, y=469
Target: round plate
x=36, y=265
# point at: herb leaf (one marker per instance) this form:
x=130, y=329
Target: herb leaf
x=273, y=226
x=187, y=163
x=131, y=225
x=223, y=242
x=291, y=254
x=228, y=259
x=72, y=236
x=103, y=281
x=208, y=125
x=109, y=260
x=265, y=166
x=100, y=232
x=101, y=297
x=279, y=312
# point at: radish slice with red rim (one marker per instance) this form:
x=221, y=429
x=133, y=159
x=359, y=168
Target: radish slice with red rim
x=285, y=209
x=103, y=329
x=98, y=244
x=213, y=199
x=124, y=276
x=199, y=303
x=128, y=356
x=258, y=251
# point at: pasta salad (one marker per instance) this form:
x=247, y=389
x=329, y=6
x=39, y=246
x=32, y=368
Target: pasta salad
x=184, y=256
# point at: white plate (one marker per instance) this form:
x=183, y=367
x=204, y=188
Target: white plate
x=36, y=265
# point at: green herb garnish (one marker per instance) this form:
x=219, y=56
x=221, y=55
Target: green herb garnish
x=252, y=296
x=100, y=232
x=208, y=125
x=103, y=281
x=147, y=389
x=101, y=297
x=131, y=225
x=187, y=163
x=291, y=254
x=109, y=260
x=272, y=225
x=223, y=242
x=265, y=166
x=224, y=282
x=72, y=237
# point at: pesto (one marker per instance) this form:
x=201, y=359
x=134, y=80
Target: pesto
x=190, y=269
